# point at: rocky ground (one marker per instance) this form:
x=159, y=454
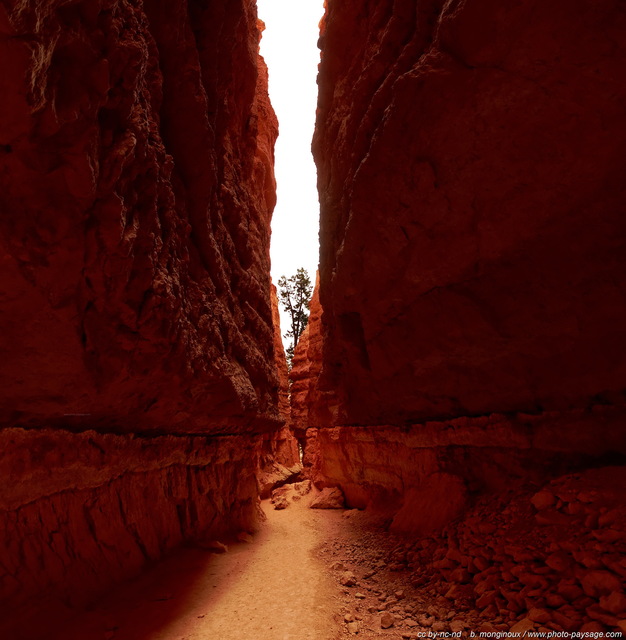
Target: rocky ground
x=547, y=561
x=536, y=561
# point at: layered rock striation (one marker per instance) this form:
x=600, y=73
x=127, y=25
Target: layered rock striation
x=137, y=355
x=471, y=278
x=81, y=512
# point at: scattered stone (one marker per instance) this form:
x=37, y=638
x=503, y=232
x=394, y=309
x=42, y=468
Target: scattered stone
x=524, y=625
x=426, y=621
x=280, y=503
x=302, y=488
x=215, y=546
x=244, y=536
x=353, y=627
x=329, y=498
x=614, y=603
x=539, y=615
x=359, y=595
x=387, y=620
x=542, y=500
x=595, y=612
x=593, y=627
x=347, y=579
x=457, y=626
x=599, y=583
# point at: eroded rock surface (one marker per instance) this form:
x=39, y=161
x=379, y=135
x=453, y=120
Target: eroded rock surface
x=505, y=566
x=472, y=241
x=136, y=155
x=471, y=277
x=136, y=170
x=80, y=512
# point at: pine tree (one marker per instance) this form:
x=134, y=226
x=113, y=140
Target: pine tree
x=294, y=294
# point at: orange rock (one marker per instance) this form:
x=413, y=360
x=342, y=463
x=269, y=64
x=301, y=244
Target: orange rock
x=135, y=264
x=598, y=583
x=462, y=272
x=311, y=404
x=137, y=187
x=614, y=603
x=284, y=408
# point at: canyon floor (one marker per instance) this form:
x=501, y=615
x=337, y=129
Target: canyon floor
x=317, y=574
x=291, y=581
x=275, y=586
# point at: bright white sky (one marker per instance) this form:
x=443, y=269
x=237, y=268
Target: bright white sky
x=289, y=46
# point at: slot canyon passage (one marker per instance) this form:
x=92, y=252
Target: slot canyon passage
x=459, y=392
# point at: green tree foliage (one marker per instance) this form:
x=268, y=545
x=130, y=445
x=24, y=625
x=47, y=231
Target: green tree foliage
x=294, y=294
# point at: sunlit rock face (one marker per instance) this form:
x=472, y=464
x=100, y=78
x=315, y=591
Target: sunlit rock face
x=136, y=169
x=311, y=405
x=472, y=249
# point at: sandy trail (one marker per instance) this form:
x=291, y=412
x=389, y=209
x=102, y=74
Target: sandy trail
x=275, y=588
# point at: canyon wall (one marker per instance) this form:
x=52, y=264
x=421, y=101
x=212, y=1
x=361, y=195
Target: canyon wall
x=137, y=354
x=473, y=262
x=136, y=155
x=470, y=160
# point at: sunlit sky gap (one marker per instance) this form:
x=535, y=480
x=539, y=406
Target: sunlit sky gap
x=289, y=46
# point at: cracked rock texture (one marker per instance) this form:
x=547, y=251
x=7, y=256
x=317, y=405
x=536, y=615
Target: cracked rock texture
x=84, y=511
x=136, y=191
x=311, y=405
x=136, y=160
x=470, y=170
x=473, y=251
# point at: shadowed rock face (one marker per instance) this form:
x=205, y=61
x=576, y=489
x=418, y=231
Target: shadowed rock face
x=310, y=404
x=472, y=251
x=80, y=512
x=473, y=267
x=136, y=170
x=471, y=184
x=136, y=155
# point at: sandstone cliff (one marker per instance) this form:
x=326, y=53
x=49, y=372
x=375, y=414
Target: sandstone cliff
x=471, y=193
x=137, y=165
x=136, y=169
x=473, y=254
x=311, y=405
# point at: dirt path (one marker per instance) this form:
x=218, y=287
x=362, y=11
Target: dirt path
x=274, y=588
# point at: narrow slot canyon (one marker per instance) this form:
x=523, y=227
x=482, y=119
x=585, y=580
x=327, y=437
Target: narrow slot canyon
x=446, y=457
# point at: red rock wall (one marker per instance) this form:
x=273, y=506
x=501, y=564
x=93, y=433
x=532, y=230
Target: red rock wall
x=136, y=191
x=473, y=262
x=423, y=476
x=470, y=174
x=80, y=512
x=136, y=155
x=311, y=404
x=279, y=456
